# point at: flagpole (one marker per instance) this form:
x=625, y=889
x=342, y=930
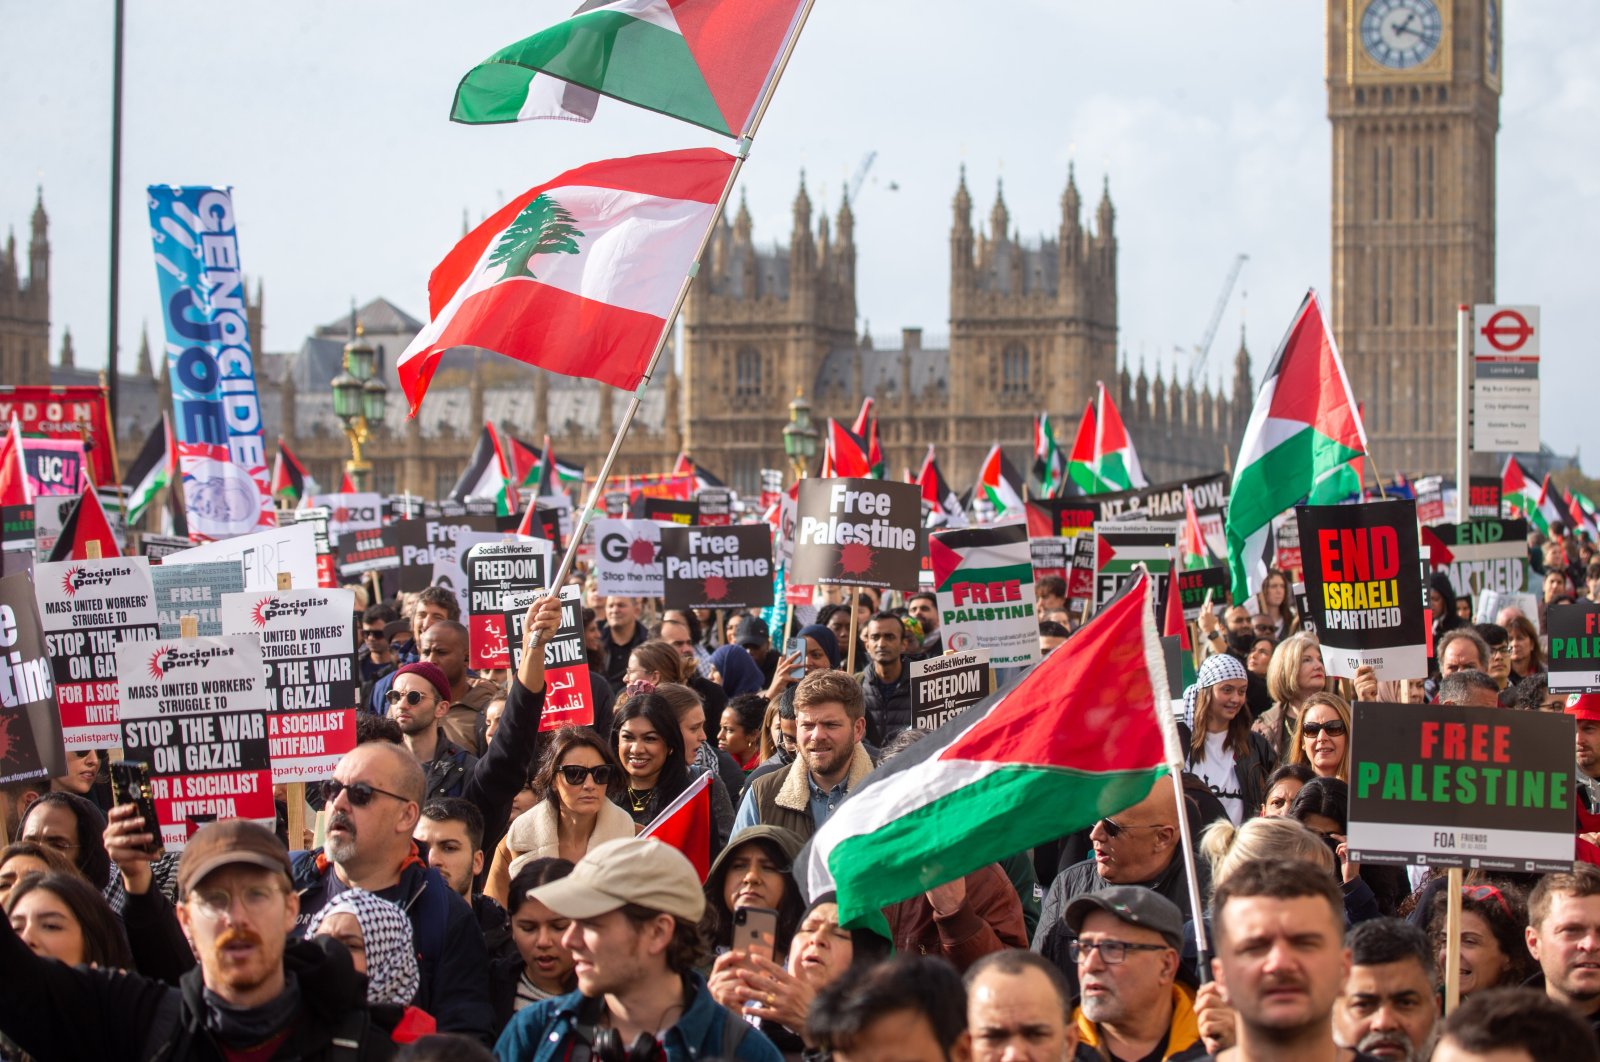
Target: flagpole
x=581, y=525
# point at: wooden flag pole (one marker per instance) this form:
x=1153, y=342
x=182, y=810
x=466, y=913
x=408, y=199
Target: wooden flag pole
x=294, y=795
x=1452, y=938
x=850, y=650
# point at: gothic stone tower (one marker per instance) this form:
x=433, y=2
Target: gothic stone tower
x=1414, y=100
x=25, y=306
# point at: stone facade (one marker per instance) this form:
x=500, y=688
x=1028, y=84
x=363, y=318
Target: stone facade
x=25, y=305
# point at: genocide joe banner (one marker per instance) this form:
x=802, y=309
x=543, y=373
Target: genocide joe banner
x=1448, y=786
x=858, y=532
x=1363, y=577
x=717, y=567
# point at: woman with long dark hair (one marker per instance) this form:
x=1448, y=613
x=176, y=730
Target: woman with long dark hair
x=650, y=747
x=1222, y=750
x=61, y=916
x=1323, y=805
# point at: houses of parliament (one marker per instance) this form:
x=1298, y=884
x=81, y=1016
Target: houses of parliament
x=1413, y=104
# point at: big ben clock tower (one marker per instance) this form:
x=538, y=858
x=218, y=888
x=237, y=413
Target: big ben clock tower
x=1414, y=100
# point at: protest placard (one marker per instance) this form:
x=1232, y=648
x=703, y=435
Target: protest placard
x=291, y=549
x=627, y=557
x=1490, y=603
x=1430, y=500
x=1483, y=499
x=194, y=590
x=1080, y=578
x=195, y=710
x=402, y=507
x=1288, y=556
x=858, y=532
x=152, y=546
x=422, y=543
x=716, y=506
x=450, y=572
x=55, y=467
x=493, y=570
x=669, y=510
x=31, y=745
x=1120, y=546
x=1164, y=502
x=307, y=640
x=89, y=608
x=360, y=552
x=717, y=567
x=17, y=534
x=983, y=586
x=1574, y=657
x=1193, y=585
x=318, y=518
x=1363, y=578
x=568, y=697
x=1449, y=786
x=350, y=512
x=1480, y=554
x=942, y=687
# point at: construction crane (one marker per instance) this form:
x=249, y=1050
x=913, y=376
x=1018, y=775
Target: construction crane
x=861, y=174
x=1203, y=348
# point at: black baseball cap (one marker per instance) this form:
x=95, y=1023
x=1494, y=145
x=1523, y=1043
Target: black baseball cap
x=1133, y=904
x=752, y=631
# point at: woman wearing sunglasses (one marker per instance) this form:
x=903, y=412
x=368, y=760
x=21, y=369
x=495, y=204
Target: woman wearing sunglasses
x=1324, y=739
x=577, y=777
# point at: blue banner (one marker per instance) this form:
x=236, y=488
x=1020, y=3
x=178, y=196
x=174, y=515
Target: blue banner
x=215, y=404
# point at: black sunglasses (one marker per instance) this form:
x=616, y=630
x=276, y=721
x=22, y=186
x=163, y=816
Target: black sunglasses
x=374, y=632
x=1114, y=828
x=1333, y=728
x=411, y=697
x=360, y=793
x=575, y=773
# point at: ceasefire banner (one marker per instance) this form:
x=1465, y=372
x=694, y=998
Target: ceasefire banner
x=493, y=570
x=89, y=609
x=291, y=549
x=983, y=586
x=717, y=566
x=79, y=414
x=194, y=590
x=30, y=721
x=195, y=710
x=308, y=643
x=1363, y=579
x=627, y=557
x=568, y=696
x=216, y=410
x=858, y=532
x=942, y=687
x=1574, y=664
x=1447, y=786
x=1480, y=554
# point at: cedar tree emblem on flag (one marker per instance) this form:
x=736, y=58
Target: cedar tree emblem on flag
x=543, y=227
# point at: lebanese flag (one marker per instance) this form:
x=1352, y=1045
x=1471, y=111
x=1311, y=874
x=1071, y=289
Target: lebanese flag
x=86, y=523
x=1070, y=742
x=1116, y=463
x=705, y=62
x=577, y=275
x=686, y=823
x=15, y=488
x=999, y=482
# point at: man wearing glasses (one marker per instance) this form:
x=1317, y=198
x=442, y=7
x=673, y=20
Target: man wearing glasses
x=1131, y=1005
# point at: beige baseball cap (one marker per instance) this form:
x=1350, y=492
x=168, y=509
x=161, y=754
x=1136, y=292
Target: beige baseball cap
x=637, y=870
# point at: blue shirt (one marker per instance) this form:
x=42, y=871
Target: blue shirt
x=822, y=802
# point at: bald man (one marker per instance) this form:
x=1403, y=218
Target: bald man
x=1137, y=846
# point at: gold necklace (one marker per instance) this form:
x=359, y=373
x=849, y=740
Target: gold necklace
x=638, y=800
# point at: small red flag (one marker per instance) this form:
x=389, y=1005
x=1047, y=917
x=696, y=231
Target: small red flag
x=686, y=825
x=86, y=523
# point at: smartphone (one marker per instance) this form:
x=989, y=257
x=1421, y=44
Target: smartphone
x=755, y=931
x=796, y=647
x=130, y=784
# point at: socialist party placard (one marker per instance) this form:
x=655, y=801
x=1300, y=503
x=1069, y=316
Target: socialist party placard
x=30, y=722
x=983, y=587
x=1447, y=786
x=627, y=557
x=1363, y=577
x=1480, y=555
x=568, y=697
x=1574, y=664
x=195, y=710
x=89, y=608
x=942, y=687
x=495, y=569
x=307, y=639
x=194, y=590
x=857, y=532
x=717, y=566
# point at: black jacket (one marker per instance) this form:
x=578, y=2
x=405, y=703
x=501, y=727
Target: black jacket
x=1051, y=938
x=1252, y=763
x=888, y=707
x=52, y=1010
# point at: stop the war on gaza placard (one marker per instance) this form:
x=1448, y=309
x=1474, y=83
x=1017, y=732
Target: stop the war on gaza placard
x=89, y=608
x=717, y=567
x=195, y=710
x=983, y=586
x=1574, y=663
x=857, y=532
x=30, y=723
x=307, y=640
x=495, y=569
x=1363, y=577
x=568, y=698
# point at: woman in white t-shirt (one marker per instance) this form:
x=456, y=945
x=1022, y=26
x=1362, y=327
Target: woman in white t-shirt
x=1222, y=751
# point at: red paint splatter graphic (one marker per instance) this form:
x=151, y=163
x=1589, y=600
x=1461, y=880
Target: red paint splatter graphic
x=7, y=738
x=157, y=670
x=642, y=551
x=716, y=588
x=855, y=558
x=258, y=615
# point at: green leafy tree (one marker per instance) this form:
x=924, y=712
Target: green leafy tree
x=543, y=227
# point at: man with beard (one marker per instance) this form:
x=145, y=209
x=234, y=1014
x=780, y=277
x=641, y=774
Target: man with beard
x=252, y=996
x=886, y=680
x=373, y=802
x=452, y=831
x=418, y=702
x=1388, y=1008
x=446, y=644
x=1564, y=939
x=1585, y=712
x=925, y=607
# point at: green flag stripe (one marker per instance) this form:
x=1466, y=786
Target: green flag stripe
x=1280, y=478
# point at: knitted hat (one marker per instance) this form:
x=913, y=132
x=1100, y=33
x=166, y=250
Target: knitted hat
x=432, y=673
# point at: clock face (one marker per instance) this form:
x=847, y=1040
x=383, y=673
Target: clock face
x=1400, y=34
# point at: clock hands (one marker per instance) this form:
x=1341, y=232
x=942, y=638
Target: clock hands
x=1406, y=27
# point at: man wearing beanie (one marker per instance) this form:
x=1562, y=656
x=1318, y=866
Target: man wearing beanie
x=636, y=906
x=418, y=701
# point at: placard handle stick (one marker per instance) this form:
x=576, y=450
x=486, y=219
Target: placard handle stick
x=91, y=549
x=850, y=651
x=188, y=626
x=295, y=800
x=285, y=581
x=1196, y=907
x=1452, y=938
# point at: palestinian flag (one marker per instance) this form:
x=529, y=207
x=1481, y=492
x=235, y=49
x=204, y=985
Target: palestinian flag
x=531, y=466
x=705, y=62
x=1173, y=625
x=290, y=481
x=999, y=484
x=1548, y=509
x=85, y=523
x=845, y=454
x=1193, y=542
x=685, y=824
x=1083, y=734
x=1116, y=464
x=1517, y=489
x=577, y=275
x=866, y=429
x=1080, y=461
x=1049, y=464
x=150, y=471
x=687, y=466
x=944, y=508
x=1303, y=432
x=487, y=475
x=1584, y=517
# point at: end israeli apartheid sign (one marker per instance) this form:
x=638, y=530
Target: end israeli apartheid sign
x=942, y=687
x=568, y=697
x=495, y=569
x=195, y=710
x=717, y=566
x=194, y=590
x=1448, y=786
x=307, y=639
x=858, y=532
x=1574, y=664
x=1480, y=554
x=89, y=608
x=627, y=557
x=983, y=586
x=29, y=718
x=1363, y=578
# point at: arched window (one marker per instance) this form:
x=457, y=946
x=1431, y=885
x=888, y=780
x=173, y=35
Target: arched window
x=1014, y=370
x=747, y=374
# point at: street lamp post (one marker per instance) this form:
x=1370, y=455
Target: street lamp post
x=800, y=436
x=359, y=400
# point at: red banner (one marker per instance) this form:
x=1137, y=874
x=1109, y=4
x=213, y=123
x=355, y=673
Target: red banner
x=77, y=413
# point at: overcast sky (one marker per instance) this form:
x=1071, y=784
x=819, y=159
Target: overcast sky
x=330, y=122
